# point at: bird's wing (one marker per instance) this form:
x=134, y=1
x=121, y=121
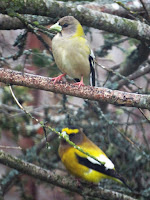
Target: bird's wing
x=92, y=63
x=105, y=167
x=95, y=165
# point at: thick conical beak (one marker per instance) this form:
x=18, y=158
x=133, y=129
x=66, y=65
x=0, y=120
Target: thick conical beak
x=56, y=27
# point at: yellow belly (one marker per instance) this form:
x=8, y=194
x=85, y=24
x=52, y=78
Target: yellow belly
x=79, y=170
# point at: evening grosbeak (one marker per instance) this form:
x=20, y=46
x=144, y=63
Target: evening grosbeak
x=83, y=166
x=72, y=52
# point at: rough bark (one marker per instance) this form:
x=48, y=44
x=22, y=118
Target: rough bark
x=86, y=92
x=52, y=178
x=88, y=17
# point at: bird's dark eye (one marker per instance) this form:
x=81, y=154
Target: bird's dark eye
x=65, y=25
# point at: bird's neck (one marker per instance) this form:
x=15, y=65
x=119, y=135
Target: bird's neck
x=79, y=31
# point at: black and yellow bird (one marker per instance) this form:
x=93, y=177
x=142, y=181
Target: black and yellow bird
x=72, y=52
x=83, y=166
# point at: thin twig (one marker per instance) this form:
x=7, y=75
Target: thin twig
x=144, y=115
x=98, y=109
x=62, y=135
x=9, y=147
x=117, y=74
x=133, y=14
x=140, y=72
x=144, y=7
x=20, y=106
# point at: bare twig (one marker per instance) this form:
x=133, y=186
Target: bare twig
x=10, y=147
x=144, y=7
x=144, y=115
x=133, y=14
x=137, y=74
x=62, y=135
x=126, y=79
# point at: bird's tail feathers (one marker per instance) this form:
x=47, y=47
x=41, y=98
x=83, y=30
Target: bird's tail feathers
x=121, y=180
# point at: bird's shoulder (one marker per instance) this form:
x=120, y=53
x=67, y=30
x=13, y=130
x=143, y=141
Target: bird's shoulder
x=91, y=148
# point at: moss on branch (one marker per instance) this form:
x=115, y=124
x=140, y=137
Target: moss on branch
x=88, y=17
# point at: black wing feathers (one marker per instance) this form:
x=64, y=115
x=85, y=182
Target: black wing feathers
x=91, y=60
x=102, y=169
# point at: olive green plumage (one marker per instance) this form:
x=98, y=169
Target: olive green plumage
x=71, y=50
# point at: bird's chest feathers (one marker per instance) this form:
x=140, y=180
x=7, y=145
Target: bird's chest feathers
x=72, y=57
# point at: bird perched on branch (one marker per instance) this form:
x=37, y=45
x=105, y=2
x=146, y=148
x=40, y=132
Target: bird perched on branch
x=82, y=165
x=72, y=52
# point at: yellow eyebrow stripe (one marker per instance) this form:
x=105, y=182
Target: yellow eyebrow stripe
x=70, y=131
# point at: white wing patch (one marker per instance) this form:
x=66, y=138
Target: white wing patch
x=92, y=160
x=93, y=57
x=102, y=158
x=92, y=54
x=108, y=164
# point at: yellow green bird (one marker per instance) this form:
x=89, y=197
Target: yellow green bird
x=72, y=52
x=83, y=166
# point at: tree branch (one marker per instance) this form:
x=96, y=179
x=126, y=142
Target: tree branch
x=86, y=16
x=92, y=93
x=50, y=177
x=115, y=9
x=8, y=23
x=8, y=180
x=140, y=72
x=133, y=61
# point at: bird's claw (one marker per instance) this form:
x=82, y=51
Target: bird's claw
x=79, y=84
x=58, y=78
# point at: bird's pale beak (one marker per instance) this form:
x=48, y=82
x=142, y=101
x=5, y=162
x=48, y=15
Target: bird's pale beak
x=56, y=27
